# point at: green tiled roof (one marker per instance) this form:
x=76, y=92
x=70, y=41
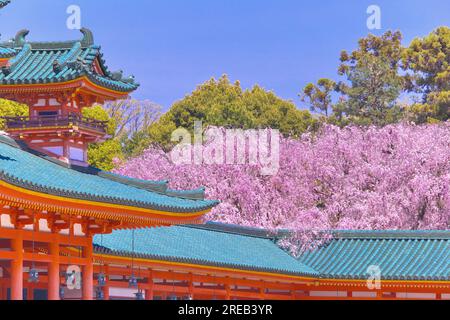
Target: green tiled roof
x=30, y=170
x=55, y=62
x=400, y=255
x=4, y=3
x=7, y=52
x=207, y=245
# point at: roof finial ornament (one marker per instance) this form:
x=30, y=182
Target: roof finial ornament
x=130, y=79
x=117, y=75
x=88, y=37
x=56, y=66
x=19, y=40
x=4, y=3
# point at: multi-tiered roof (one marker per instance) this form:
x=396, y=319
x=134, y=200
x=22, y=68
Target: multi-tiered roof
x=33, y=64
x=43, y=163
x=57, y=80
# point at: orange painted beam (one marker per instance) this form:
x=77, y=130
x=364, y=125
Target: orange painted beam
x=7, y=255
x=190, y=289
x=283, y=284
x=168, y=275
x=217, y=293
x=45, y=237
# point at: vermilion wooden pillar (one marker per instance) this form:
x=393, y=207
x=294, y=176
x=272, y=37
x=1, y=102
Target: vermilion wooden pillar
x=17, y=268
x=262, y=293
x=88, y=273
x=30, y=292
x=106, y=287
x=149, y=291
x=149, y=294
x=53, y=271
x=228, y=292
x=66, y=149
x=191, y=286
x=106, y=292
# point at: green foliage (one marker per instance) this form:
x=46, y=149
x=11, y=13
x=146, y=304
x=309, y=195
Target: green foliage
x=135, y=144
x=11, y=109
x=222, y=103
x=368, y=95
x=102, y=155
x=97, y=112
x=387, y=47
x=319, y=96
x=373, y=92
x=435, y=109
x=429, y=59
x=375, y=82
x=428, y=62
x=372, y=85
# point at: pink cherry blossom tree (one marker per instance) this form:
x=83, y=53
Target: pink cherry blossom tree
x=395, y=177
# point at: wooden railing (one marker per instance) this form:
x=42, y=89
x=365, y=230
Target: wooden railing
x=55, y=121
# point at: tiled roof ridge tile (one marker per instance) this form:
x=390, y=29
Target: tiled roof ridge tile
x=235, y=229
x=336, y=234
x=391, y=234
x=76, y=60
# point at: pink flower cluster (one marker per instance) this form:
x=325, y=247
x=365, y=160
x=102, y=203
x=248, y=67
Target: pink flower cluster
x=396, y=177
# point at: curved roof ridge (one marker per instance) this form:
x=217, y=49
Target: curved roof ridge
x=149, y=185
x=64, y=59
x=4, y=3
x=7, y=52
x=195, y=194
x=17, y=168
x=392, y=234
x=337, y=234
x=86, y=41
x=235, y=229
x=160, y=186
x=6, y=139
x=59, y=62
x=17, y=60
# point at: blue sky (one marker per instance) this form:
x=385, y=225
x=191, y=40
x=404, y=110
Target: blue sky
x=171, y=46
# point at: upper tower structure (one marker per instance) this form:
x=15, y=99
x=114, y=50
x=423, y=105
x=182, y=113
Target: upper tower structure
x=4, y=3
x=57, y=80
